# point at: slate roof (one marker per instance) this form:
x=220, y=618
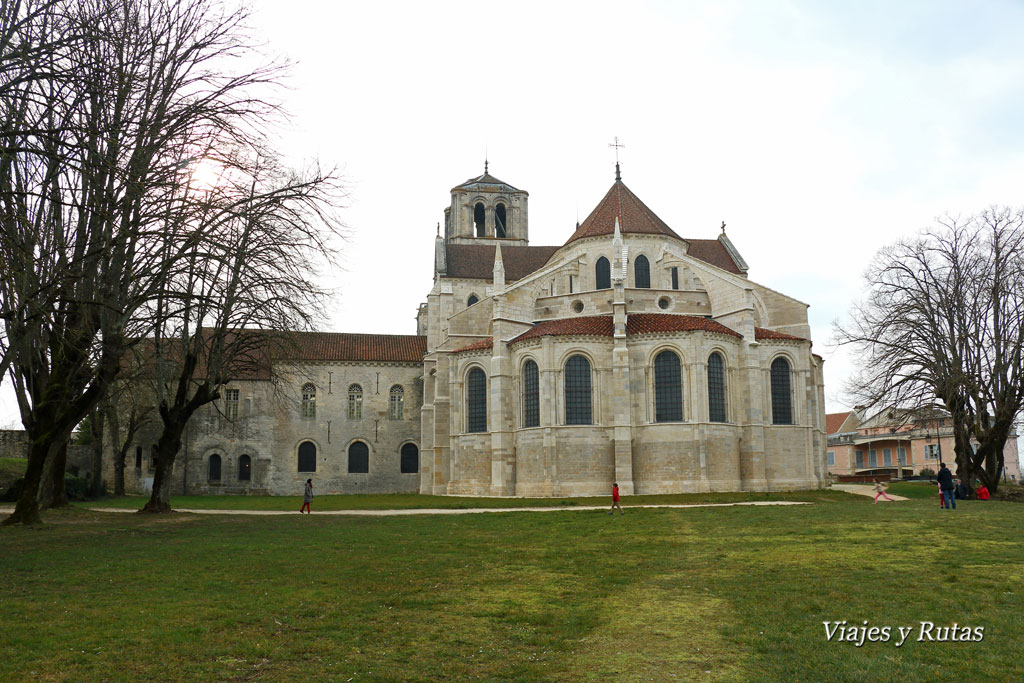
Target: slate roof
x=485, y=180
x=636, y=324
x=476, y=261
x=633, y=215
x=761, y=333
x=834, y=421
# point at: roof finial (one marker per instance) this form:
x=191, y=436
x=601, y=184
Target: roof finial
x=617, y=145
x=723, y=227
x=439, y=228
x=485, y=165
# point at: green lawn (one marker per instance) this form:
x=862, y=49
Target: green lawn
x=733, y=593
x=408, y=501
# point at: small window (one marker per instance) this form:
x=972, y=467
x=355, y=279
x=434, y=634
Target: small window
x=396, y=410
x=410, y=459
x=308, y=401
x=355, y=402
x=831, y=458
x=860, y=459
x=531, y=395
x=675, y=277
x=668, y=388
x=213, y=474
x=138, y=457
x=872, y=458
x=358, y=458
x=478, y=220
x=476, y=401
x=716, y=388
x=307, y=456
x=231, y=404
x=499, y=221
x=642, y=272
x=471, y=300
x=602, y=274
x=782, y=400
x=887, y=457
x=244, y=468
x=902, y=455
x=578, y=401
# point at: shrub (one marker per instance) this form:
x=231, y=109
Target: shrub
x=76, y=488
x=927, y=472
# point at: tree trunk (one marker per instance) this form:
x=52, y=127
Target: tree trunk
x=119, y=457
x=26, y=511
x=52, y=493
x=97, y=486
x=166, y=451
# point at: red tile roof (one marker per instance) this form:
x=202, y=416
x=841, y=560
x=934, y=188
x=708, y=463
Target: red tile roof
x=341, y=346
x=477, y=346
x=636, y=324
x=651, y=323
x=834, y=421
x=713, y=252
x=476, y=261
x=633, y=215
x=761, y=333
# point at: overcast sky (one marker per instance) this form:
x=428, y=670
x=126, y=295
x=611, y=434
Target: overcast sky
x=818, y=131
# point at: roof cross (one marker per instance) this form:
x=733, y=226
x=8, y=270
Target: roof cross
x=617, y=145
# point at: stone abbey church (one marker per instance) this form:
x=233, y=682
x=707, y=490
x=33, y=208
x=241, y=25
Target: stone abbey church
x=628, y=354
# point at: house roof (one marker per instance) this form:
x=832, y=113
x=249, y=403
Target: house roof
x=713, y=252
x=834, y=421
x=477, y=346
x=762, y=333
x=476, y=261
x=343, y=346
x=633, y=215
x=636, y=324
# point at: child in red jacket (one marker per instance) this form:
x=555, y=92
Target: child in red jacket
x=615, y=500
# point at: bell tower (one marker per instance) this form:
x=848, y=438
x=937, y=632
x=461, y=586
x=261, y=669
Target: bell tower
x=485, y=210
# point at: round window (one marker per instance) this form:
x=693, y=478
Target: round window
x=664, y=302
x=578, y=306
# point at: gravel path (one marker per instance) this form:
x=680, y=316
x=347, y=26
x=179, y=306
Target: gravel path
x=865, y=490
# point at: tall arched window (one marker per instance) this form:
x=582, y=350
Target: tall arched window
x=307, y=456
x=642, y=272
x=499, y=221
x=782, y=399
x=244, y=468
x=214, y=470
x=716, y=388
x=355, y=402
x=531, y=395
x=358, y=458
x=603, y=274
x=396, y=404
x=577, y=392
x=410, y=459
x=476, y=401
x=308, y=401
x=478, y=220
x=668, y=388
x=471, y=300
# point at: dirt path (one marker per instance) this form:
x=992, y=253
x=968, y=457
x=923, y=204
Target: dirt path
x=865, y=490
x=428, y=511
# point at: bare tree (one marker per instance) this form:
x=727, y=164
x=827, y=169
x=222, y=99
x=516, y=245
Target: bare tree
x=90, y=180
x=943, y=321
x=248, y=279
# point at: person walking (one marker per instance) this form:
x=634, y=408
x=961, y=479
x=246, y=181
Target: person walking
x=880, y=491
x=307, y=498
x=615, y=500
x=946, y=485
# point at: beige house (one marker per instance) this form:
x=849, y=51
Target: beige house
x=898, y=443
x=626, y=354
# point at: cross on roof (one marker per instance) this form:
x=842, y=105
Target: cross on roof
x=617, y=145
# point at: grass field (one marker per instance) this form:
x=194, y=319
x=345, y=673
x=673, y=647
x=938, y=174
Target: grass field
x=733, y=593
